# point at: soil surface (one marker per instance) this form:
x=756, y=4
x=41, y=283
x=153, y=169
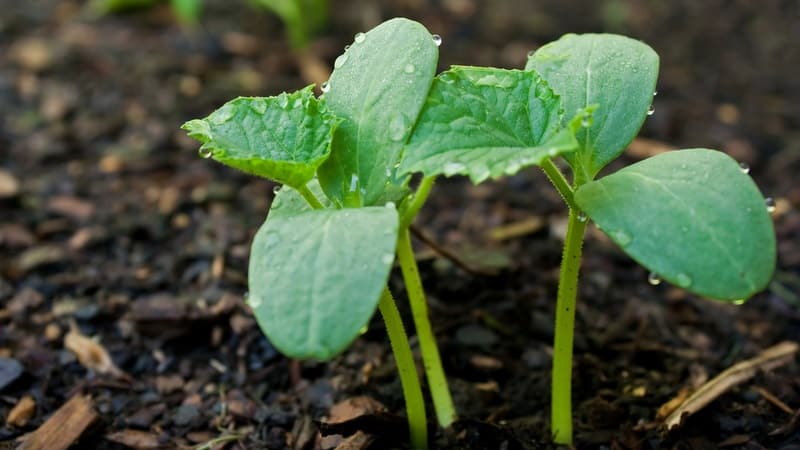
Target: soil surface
x=123, y=255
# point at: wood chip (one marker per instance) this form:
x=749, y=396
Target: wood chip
x=91, y=354
x=22, y=412
x=64, y=427
x=769, y=359
x=514, y=230
x=134, y=439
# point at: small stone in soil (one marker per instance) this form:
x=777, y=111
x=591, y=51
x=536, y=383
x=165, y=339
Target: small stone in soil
x=10, y=370
x=185, y=414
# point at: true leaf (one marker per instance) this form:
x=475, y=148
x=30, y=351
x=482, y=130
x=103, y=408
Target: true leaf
x=690, y=216
x=283, y=138
x=315, y=277
x=378, y=87
x=486, y=122
x=615, y=72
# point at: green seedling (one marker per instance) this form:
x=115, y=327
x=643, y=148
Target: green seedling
x=693, y=217
x=320, y=263
x=303, y=18
x=187, y=11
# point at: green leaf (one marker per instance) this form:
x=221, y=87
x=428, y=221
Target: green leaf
x=188, y=11
x=288, y=201
x=315, y=277
x=615, y=72
x=486, y=122
x=690, y=216
x=378, y=87
x=283, y=138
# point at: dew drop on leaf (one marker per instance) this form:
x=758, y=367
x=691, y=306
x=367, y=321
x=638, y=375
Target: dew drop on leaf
x=387, y=258
x=276, y=189
x=254, y=301
x=531, y=53
x=340, y=61
x=621, y=237
x=397, y=128
x=655, y=93
x=770, y=202
x=326, y=86
x=654, y=279
x=739, y=301
x=409, y=68
x=651, y=110
x=346, y=47
x=683, y=280
x=390, y=205
x=359, y=38
x=353, y=182
x=744, y=167
x=436, y=39
x=205, y=152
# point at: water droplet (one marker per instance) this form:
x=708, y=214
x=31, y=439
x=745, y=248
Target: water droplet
x=283, y=100
x=447, y=77
x=770, y=202
x=340, y=61
x=582, y=217
x=359, y=38
x=254, y=301
x=531, y=53
x=586, y=121
x=409, y=68
x=654, y=279
x=436, y=39
x=651, y=110
x=259, y=105
x=739, y=301
x=655, y=93
x=346, y=47
x=744, y=167
x=621, y=237
x=390, y=205
x=353, y=182
x=397, y=128
x=552, y=151
x=326, y=86
x=683, y=280
x=512, y=168
x=223, y=114
x=205, y=152
x=452, y=168
x=276, y=189
x=388, y=173
x=387, y=258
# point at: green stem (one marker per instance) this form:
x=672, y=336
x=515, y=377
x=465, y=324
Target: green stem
x=560, y=182
x=309, y=196
x=410, y=212
x=409, y=379
x=561, y=394
x=437, y=382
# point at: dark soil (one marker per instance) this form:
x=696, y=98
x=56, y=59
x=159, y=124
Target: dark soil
x=109, y=222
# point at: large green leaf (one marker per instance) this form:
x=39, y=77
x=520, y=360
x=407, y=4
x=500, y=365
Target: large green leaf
x=283, y=138
x=378, y=87
x=616, y=73
x=486, y=122
x=690, y=216
x=316, y=276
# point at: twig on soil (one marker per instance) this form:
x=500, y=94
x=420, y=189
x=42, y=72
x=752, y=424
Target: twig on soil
x=447, y=254
x=770, y=397
x=769, y=359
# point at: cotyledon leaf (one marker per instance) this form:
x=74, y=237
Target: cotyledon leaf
x=316, y=276
x=690, y=216
x=615, y=72
x=378, y=87
x=283, y=138
x=486, y=122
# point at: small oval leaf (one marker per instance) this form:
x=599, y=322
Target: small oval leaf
x=378, y=89
x=486, y=123
x=316, y=277
x=691, y=217
x=616, y=73
x=284, y=138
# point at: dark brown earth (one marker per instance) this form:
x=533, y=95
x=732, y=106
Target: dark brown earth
x=111, y=224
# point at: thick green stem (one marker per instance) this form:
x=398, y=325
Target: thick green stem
x=310, y=197
x=409, y=379
x=410, y=212
x=437, y=382
x=561, y=394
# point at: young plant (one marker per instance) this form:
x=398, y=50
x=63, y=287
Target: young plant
x=320, y=263
x=303, y=18
x=692, y=217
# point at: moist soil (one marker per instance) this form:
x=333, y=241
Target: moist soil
x=117, y=239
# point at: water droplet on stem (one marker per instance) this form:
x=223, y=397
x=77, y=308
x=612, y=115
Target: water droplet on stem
x=436, y=39
x=359, y=38
x=205, y=152
x=651, y=110
x=744, y=167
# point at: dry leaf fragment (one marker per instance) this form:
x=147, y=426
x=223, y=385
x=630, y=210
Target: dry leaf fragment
x=22, y=412
x=91, y=354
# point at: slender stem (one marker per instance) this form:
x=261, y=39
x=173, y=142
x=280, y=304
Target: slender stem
x=417, y=201
x=310, y=197
x=437, y=382
x=560, y=182
x=409, y=379
x=561, y=394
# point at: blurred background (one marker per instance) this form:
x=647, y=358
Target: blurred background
x=112, y=225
